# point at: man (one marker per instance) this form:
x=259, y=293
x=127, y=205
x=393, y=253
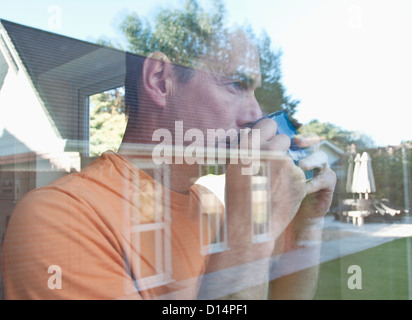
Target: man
x=118, y=229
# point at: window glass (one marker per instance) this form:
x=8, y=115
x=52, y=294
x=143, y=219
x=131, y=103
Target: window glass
x=139, y=160
x=107, y=121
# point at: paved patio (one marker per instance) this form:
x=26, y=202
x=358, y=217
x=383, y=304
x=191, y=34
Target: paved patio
x=341, y=238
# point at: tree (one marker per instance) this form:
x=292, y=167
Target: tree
x=184, y=34
x=110, y=101
x=181, y=34
x=272, y=94
x=107, y=121
x=340, y=137
x=389, y=173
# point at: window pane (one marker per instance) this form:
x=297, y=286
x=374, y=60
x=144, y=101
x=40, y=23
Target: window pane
x=107, y=121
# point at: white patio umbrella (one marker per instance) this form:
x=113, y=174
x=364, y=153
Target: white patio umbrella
x=349, y=177
x=355, y=174
x=365, y=180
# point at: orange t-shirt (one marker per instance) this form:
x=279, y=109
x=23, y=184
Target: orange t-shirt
x=111, y=231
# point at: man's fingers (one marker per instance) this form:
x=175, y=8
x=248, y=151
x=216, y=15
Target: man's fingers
x=325, y=181
x=269, y=140
x=316, y=160
x=263, y=135
x=306, y=140
x=267, y=129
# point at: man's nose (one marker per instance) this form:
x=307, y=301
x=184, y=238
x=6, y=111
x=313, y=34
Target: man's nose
x=250, y=112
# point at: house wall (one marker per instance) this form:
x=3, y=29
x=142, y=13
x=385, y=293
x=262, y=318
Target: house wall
x=24, y=124
x=31, y=152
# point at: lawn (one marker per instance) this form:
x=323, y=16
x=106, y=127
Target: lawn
x=384, y=274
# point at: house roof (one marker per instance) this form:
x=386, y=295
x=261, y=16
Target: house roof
x=332, y=146
x=42, y=51
x=63, y=71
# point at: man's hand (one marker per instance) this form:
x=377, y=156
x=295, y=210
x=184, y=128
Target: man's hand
x=287, y=181
x=286, y=184
x=290, y=198
x=307, y=227
x=320, y=188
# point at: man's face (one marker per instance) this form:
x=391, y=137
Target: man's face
x=221, y=94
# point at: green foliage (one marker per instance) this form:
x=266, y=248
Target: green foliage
x=272, y=94
x=110, y=101
x=186, y=34
x=340, y=137
x=181, y=34
x=388, y=167
x=107, y=121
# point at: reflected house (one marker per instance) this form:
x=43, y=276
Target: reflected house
x=333, y=152
x=45, y=82
x=336, y=158
x=48, y=79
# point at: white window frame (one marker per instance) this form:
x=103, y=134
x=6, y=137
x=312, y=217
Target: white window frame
x=220, y=242
x=162, y=229
x=264, y=233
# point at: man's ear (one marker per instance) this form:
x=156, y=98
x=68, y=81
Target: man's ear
x=157, y=77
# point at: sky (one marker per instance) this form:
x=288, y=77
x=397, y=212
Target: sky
x=347, y=61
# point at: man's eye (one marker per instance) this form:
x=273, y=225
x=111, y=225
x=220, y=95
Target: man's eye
x=237, y=85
